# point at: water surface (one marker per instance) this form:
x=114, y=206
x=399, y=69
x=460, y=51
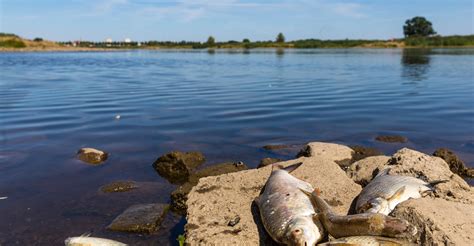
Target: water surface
x=226, y=104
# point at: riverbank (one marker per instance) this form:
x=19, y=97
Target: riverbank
x=444, y=217
x=13, y=43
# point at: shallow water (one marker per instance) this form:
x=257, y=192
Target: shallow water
x=226, y=104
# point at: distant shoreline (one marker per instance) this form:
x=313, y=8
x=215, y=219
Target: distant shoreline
x=14, y=43
x=83, y=49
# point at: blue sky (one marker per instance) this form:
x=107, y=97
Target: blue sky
x=228, y=19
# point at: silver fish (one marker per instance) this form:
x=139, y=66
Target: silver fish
x=365, y=241
x=386, y=191
x=286, y=212
x=366, y=224
x=91, y=241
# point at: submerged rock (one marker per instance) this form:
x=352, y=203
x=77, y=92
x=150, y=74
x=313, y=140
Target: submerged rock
x=361, y=152
x=268, y=161
x=140, y=218
x=119, y=186
x=391, y=139
x=283, y=149
x=180, y=195
x=455, y=163
x=91, y=155
x=176, y=166
x=276, y=146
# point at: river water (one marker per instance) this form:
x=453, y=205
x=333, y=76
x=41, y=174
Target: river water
x=226, y=104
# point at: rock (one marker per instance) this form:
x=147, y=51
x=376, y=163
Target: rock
x=177, y=166
x=340, y=154
x=215, y=200
x=268, y=161
x=119, y=186
x=179, y=196
x=363, y=171
x=92, y=156
x=455, y=164
x=335, y=152
x=234, y=221
x=391, y=139
x=429, y=168
x=361, y=152
x=439, y=222
x=140, y=218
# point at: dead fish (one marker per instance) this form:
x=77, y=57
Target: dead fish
x=286, y=212
x=85, y=240
x=365, y=241
x=367, y=224
x=386, y=191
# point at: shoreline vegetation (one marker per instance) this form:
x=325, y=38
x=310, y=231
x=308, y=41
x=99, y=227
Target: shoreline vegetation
x=12, y=42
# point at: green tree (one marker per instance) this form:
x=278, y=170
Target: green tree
x=38, y=40
x=211, y=41
x=418, y=27
x=246, y=40
x=280, y=38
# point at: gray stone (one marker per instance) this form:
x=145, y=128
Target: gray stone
x=140, y=218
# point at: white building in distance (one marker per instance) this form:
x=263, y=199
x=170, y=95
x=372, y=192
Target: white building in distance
x=109, y=40
x=127, y=40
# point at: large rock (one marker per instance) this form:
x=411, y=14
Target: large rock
x=429, y=168
x=455, y=163
x=439, y=222
x=363, y=171
x=179, y=196
x=140, y=218
x=177, y=166
x=215, y=202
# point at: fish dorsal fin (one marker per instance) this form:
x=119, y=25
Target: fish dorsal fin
x=397, y=194
x=289, y=168
x=382, y=172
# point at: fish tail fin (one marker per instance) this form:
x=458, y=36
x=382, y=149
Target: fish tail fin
x=289, y=168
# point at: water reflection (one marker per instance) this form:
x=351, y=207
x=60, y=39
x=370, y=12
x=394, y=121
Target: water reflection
x=280, y=52
x=415, y=64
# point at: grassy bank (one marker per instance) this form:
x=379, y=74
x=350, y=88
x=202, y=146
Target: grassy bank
x=13, y=42
x=438, y=41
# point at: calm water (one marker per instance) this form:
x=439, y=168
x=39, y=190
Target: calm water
x=226, y=104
